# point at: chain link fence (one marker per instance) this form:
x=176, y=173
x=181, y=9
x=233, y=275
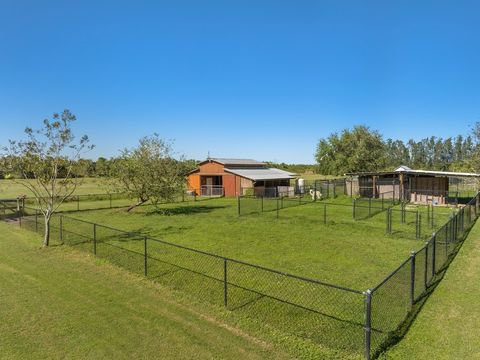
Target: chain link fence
x=324, y=313
x=337, y=317
x=390, y=302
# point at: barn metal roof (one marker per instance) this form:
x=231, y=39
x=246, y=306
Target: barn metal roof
x=237, y=162
x=406, y=170
x=262, y=173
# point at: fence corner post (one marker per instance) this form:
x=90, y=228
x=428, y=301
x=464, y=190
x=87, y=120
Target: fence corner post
x=412, y=277
x=368, y=323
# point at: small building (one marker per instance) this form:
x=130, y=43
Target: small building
x=234, y=177
x=406, y=184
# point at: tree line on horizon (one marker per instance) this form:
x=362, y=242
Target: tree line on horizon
x=363, y=149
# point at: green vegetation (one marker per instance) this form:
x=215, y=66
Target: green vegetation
x=60, y=303
x=447, y=326
x=364, y=149
x=11, y=189
x=298, y=242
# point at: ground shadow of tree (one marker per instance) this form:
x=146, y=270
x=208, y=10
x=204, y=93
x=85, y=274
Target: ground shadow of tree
x=183, y=210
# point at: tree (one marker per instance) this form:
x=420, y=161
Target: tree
x=149, y=172
x=47, y=163
x=397, y=153
x=359, y=149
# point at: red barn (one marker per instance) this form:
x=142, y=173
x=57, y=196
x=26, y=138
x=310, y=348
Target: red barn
x=234, y=177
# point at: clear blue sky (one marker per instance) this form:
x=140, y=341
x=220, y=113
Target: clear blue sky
x=259, y=79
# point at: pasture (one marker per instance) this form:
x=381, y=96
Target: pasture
x=11, y=189
x=61, y=303
x=351, y=253
x=212, y=251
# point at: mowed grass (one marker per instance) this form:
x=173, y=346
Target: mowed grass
x=60, y=303
x=356, y=254
x=12, y=189
x=447, y=326
x=342, y=251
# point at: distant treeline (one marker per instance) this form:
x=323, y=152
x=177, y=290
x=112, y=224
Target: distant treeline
x=294, y=168
x=362, y=149
x=102, y=167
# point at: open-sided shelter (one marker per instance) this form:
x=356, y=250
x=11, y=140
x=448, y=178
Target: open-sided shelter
x=404, y=183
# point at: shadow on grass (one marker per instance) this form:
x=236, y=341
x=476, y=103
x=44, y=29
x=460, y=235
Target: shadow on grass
x=403, y=328
x=183, y=210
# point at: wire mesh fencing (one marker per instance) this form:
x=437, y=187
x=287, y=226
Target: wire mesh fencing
x=390, y=302
x=259, y=204
x=325, y=313
x=337, y=317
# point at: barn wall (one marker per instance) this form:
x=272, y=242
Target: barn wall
x=212, y=168
x=193, y=182
x=237, y=185
x=229, y=184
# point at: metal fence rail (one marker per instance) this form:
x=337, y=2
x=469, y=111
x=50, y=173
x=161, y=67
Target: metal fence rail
x=390, y=302
x=308, y=308
x=337, y=317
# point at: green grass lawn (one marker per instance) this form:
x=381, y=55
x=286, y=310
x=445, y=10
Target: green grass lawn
x=11, y=189
x=334, y=249
x=61, y=303
x=355, y=254
x=447, y=326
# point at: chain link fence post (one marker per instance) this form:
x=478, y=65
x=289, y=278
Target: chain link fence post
x=145, y=256
x=225, y=283
x=278, y=207
x=94, y=239
x=412, y=277
x=61, y=229
x=354, y=204
x=368, y=323
x=425, y=275
x=325, y=214
x=446, y=240
x=434, y=252
x=387, y=220
x=238, y=205
x=36, y=220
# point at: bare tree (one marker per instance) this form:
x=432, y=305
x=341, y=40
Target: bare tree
x=46, y=163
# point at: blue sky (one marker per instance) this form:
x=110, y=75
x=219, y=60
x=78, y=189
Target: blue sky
x=259, y=79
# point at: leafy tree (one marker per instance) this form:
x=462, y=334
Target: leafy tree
x=47, y=163
x=359, y=149
x=396, y=153
x=149, y=172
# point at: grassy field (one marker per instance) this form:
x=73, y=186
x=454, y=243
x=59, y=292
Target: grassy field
x=11, y=189
x=298, y=242
x=302, y=240
x=60, y=303
x=447, y=326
